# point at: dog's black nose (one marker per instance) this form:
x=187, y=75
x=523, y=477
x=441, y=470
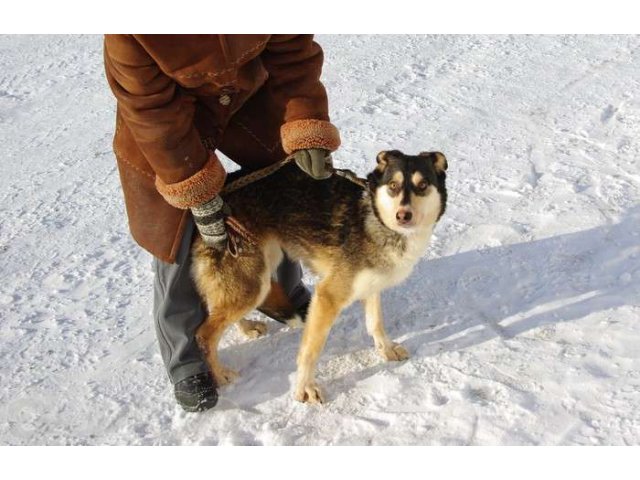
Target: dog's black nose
x=404, y=216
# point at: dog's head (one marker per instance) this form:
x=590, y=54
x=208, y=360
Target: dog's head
x=408, y=191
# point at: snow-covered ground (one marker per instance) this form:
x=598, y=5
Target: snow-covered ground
x=522, y=319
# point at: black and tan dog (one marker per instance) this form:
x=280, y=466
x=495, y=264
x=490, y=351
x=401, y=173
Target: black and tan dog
x=359, y=242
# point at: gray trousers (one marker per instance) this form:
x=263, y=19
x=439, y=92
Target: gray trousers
x=178, y=310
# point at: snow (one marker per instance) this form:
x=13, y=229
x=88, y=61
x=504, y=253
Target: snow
x=521, y=319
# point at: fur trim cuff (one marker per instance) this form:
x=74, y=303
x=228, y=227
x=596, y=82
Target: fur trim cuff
x=196, y=189
x=302, y=134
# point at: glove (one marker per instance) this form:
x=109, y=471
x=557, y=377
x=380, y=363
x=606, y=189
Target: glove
x=316, y=162
x=209, y=219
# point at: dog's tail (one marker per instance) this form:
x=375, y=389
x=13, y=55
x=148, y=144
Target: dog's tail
x=278, y=306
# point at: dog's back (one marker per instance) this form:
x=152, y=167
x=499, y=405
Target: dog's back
x=297, y=207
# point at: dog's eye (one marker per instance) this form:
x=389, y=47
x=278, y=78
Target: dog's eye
x=393, y=185
x=423, y=185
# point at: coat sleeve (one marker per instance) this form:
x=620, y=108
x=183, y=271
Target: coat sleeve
x=160, y=116
x=294, y=63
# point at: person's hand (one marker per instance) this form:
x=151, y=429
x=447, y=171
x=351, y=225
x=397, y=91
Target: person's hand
x=209, y=219
x=316, y=162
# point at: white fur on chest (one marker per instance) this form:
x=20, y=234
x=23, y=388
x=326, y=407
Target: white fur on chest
x=371, y=281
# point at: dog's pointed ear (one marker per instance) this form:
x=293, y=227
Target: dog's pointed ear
x=382, y=160
x=438, y=159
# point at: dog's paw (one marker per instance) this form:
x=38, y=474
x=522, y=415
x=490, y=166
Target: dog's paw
x=309, y=393
x=225, y=375
x=393, y=352
x=252, y=328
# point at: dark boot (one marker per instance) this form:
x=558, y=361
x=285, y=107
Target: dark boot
x=196, y=393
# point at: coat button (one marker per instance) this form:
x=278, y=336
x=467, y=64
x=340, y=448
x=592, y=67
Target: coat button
x=225, y=100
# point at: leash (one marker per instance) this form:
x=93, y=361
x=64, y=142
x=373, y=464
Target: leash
x=237, y=232
x=255, y=176
x=352, y=177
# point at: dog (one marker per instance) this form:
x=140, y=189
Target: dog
x=359, y=241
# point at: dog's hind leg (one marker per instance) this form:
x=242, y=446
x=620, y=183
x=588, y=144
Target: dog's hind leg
x=209, y=335
x=230, y=288
x=329, y=299
x=375, y=326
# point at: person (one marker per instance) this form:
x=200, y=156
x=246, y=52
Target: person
x=255, y=98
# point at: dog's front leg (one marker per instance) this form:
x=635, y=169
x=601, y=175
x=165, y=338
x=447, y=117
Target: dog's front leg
x=375, y=326
x=325, y=307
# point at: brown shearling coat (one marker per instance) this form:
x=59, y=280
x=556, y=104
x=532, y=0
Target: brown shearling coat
x=180, y=97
